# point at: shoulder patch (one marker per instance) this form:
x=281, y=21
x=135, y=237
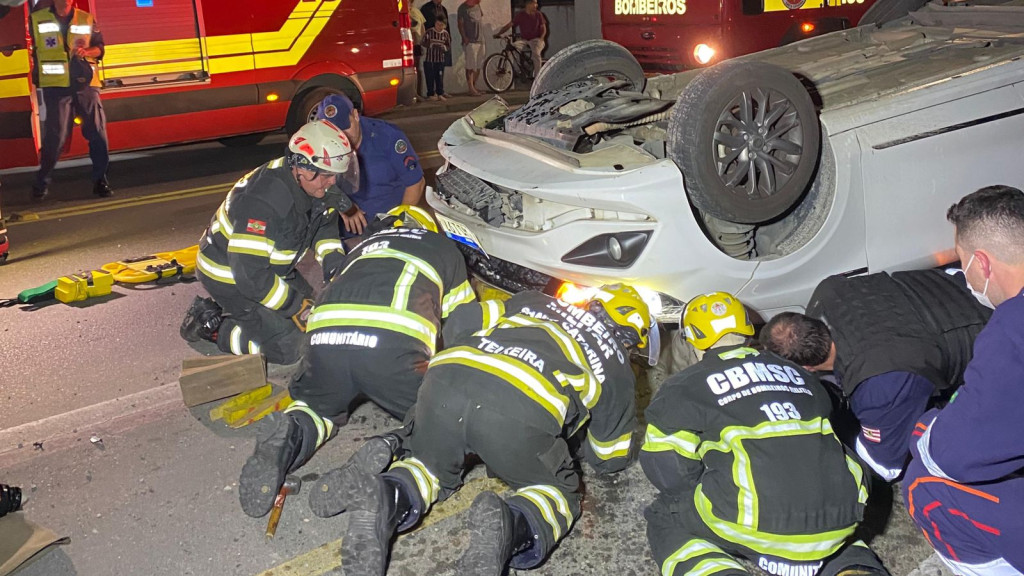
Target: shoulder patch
x=331, y=111
x=256, y=227
x=400, y=146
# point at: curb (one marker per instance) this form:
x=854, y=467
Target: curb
x=455, y=104
x=63, y=431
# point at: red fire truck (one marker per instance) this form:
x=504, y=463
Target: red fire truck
x=188, y=70
x=672, y=35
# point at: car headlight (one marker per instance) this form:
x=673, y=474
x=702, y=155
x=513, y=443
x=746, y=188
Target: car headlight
x=617, y=250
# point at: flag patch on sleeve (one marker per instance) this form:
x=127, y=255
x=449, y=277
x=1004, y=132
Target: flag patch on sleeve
x=256, y=227
x=871, y=434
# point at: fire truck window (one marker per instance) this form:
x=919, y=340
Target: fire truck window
x=753, y=7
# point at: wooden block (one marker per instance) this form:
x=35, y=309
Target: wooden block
x=203, y=380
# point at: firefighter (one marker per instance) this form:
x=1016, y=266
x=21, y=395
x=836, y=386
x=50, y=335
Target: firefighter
x=248, y=254
x=66, y=46
x=518, y=379
x=370, y=335
x=389, y=170
x=741, y=450
x=895, y=344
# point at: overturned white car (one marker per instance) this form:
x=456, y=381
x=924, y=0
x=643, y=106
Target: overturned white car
x=760, y=176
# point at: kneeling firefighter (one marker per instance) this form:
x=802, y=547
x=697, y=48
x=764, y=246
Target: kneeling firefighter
x=518, y=379
x=370, y=336
x=742, y=452
x=248, y=254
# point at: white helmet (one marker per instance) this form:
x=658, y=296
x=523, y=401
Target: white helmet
x=320, y=147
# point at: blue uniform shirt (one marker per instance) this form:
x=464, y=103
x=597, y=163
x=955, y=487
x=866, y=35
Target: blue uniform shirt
x=387, y=166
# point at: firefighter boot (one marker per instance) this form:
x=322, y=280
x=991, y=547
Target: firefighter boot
x=279, y=450
x=329, y=497
x=202, y=319
x=377, y=505
x=497, y=533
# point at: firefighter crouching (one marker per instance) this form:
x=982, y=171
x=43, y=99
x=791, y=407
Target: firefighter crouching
x=370, y=335
x=742, y=452
x=516, y=380
x=248, y=254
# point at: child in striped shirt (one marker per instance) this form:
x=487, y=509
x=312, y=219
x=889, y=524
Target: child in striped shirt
x=437, y=42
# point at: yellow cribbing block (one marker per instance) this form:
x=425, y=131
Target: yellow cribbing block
x=237, y=407
x=275, y=403
x=75, y=287
x=154, y=267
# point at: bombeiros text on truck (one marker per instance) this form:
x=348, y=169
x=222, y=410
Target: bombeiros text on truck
x=673, y=35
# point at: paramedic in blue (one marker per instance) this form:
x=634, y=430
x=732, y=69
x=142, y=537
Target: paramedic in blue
x=389, y=170
x=965, y=486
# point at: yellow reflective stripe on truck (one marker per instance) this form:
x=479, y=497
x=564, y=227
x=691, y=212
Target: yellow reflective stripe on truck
x=14, y=65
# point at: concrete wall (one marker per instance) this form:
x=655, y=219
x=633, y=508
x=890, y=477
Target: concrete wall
x=496, y=14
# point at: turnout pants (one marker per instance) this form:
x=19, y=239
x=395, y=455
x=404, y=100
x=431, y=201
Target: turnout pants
x=976, y=529
x=336, y=378
x=462, y=411
x=682, y=544
x=249, y=327
x=63, y=104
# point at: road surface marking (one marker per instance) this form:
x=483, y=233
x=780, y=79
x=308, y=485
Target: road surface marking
x=107, y=205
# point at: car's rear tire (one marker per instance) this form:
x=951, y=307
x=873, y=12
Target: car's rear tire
x=586, y=59
x=498, y=73
x=746, y=137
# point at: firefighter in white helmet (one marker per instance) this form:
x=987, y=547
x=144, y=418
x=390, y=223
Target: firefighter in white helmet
x=370, y=336
x=742, y=452
x=248, y=254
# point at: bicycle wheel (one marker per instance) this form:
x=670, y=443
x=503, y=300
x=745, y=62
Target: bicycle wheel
x=498, y=73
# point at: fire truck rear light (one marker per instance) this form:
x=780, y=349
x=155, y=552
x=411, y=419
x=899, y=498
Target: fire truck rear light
x=394, y=81
x=807, y=27
x=272, y=97
x=407, y=48
x=703, y=53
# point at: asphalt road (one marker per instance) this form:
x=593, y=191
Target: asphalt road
x=92, y=426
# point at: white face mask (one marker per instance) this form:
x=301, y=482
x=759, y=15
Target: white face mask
x=983, y=295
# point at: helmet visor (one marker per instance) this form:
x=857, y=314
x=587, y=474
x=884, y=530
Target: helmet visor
x=653, y=347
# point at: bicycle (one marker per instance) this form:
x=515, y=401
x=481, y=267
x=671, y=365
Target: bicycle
x=514, y=62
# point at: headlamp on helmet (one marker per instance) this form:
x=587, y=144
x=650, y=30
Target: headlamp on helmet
x=708, y=317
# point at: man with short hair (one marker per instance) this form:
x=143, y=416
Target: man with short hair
x=470, y=20
x=66, y=47
x=389, y=169
x=533, y=28
x=965, y=486
x=741, y=449
x=895, y=344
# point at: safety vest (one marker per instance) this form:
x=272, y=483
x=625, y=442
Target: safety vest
x=51, y=53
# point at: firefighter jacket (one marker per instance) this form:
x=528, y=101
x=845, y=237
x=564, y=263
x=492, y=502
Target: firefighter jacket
x=923, y=322
x=745, y=436
x=262, y=230
x=393, y=291
x=561, y=358
x=53, y=63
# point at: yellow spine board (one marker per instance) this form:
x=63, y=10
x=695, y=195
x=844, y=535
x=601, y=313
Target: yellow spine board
x=154, y=267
